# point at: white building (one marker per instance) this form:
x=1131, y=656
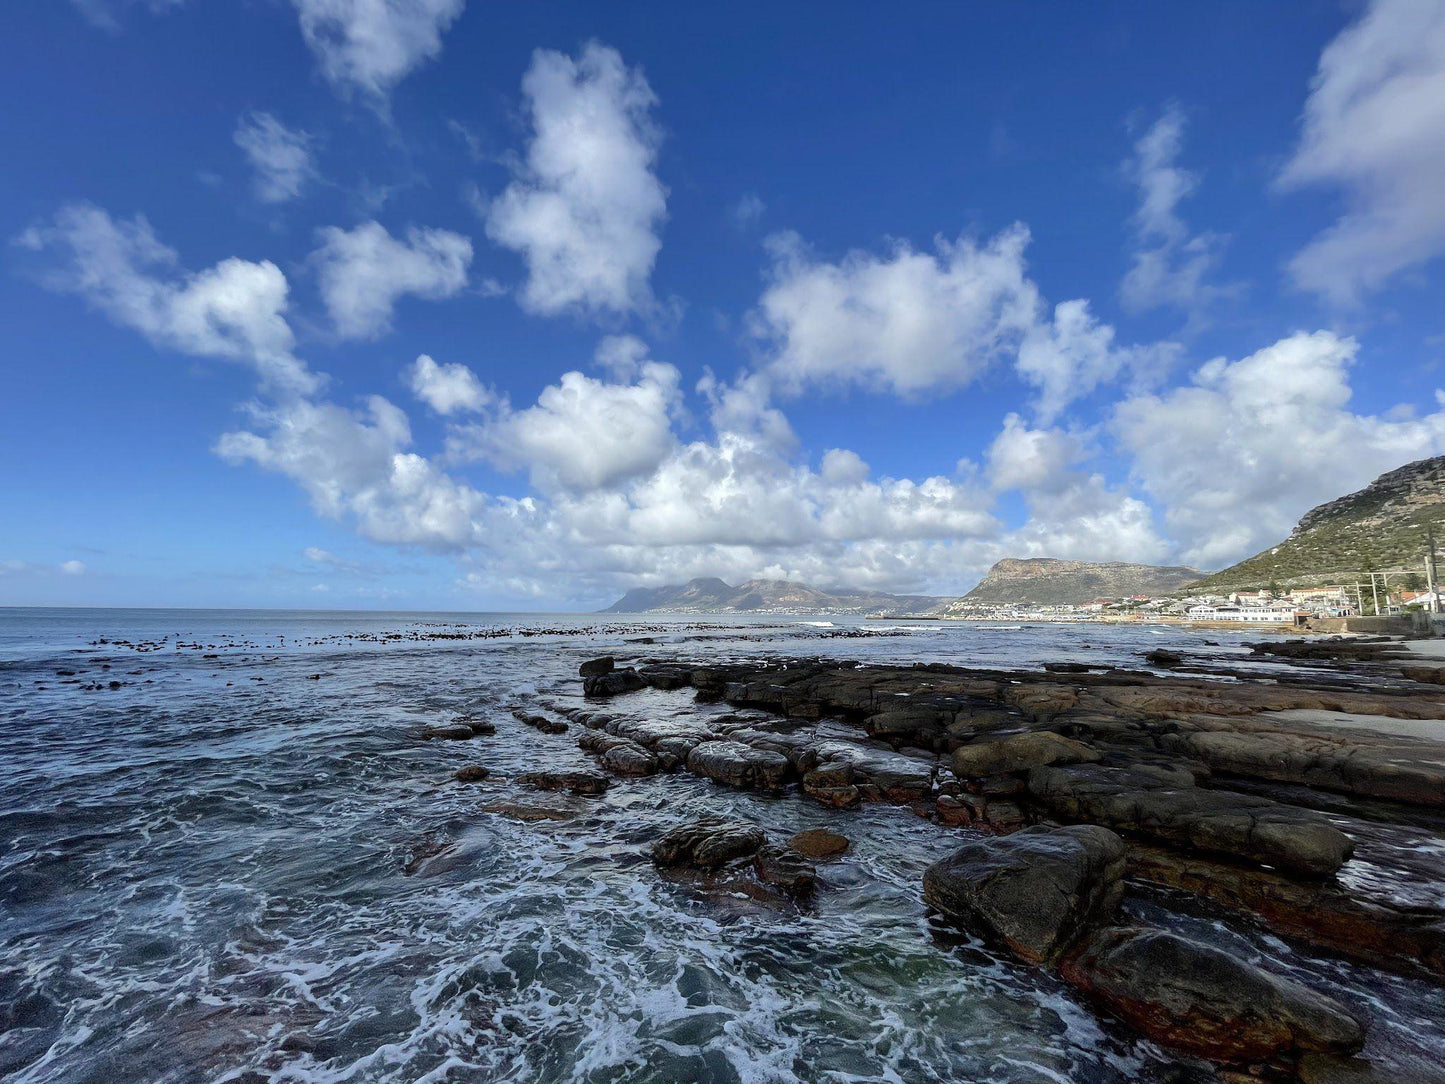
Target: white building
x=1263, y=615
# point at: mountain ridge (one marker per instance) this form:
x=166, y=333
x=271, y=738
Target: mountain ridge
x=1050, y=581
x=708, y=594
x=1381, y=527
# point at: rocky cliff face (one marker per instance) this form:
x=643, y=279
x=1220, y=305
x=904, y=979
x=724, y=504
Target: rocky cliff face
x=711, y=595
x=1048, y=582
x=1382, y=528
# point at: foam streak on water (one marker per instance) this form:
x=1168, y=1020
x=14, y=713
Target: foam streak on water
x=226, y=869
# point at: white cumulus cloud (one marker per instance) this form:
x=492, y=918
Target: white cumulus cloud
x=371, y=45
x=1374, y=126
x=280, y=156
x=585, y=206
x=364, y=272
x=909, y=322
x=903, y=322
x=1238, y=455
x=1170, y=265
x=234, y=309
x=1070, y=356
x=448, y=389
x=583, y=433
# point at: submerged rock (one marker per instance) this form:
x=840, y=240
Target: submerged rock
x=585, y=783
x=708, y=843
x=472, y=773
x=784, y=869
x=819, y=843
x=1339, y=1069
x=1204, y=1001
x=519, y=811
x=1036, y=891
x=451, y=732
x=541, y=722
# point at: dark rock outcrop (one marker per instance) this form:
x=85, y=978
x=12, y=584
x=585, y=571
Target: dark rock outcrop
x=586, y=783
x=1204, y=1001
x=612, y=683
x=708, y=843
x=1371, y=765
x=596, y=667
x=738, y=765
x=1035, y=891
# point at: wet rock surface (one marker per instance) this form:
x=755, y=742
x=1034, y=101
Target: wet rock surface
x=1035, y=891
x=1205, y=1001
x=586, y=783
x=819, y=843
x=708, y=843
x=1222, y=822
x=1019, y=753
x=738, y=765
x=1207, y=784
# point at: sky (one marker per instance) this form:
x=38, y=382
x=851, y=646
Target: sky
x=441, y=304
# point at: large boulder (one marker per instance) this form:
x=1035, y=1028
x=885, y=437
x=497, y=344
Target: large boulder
x=1020, y=753
x=1204, y=1001
x=612, y=683
x=596, y=667
x=1035, y=891
x=708, y=843
x=1142, y=802
x=784, y=869
x=738, y=765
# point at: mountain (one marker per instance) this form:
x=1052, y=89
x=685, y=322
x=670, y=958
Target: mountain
x=1380, y=528
x=711, y=595
x=1048, y=582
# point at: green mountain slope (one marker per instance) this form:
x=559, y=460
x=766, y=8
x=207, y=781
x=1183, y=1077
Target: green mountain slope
x=1380, y=528
x=1045, y=581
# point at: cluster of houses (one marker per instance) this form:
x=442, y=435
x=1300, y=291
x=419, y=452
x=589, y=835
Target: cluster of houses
x=1287, y=607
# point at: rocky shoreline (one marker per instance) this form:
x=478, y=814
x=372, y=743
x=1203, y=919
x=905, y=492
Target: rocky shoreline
x=1070, y=790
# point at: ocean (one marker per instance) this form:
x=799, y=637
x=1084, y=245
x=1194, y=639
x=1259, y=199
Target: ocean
x=226, y=856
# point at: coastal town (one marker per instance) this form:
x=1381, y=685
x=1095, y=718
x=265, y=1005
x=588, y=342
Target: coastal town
x=1286, y=608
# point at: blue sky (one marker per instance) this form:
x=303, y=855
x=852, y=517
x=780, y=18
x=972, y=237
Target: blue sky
x=436, y=304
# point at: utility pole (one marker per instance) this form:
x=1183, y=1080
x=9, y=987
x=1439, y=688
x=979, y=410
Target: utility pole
x=1375, y=590
x=1434, y=602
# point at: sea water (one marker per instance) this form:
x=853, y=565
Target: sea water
x=226, y=856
